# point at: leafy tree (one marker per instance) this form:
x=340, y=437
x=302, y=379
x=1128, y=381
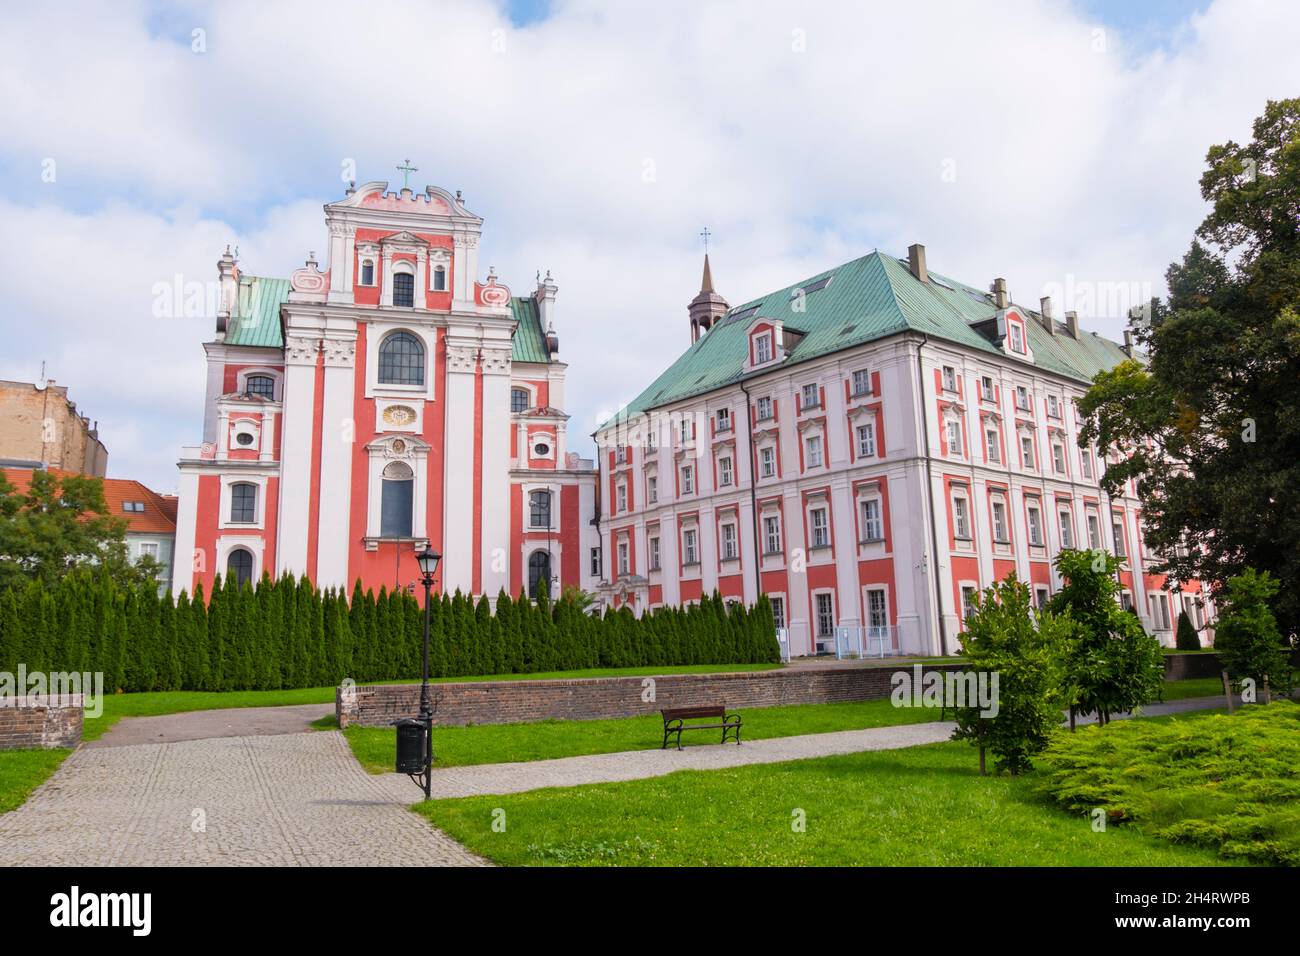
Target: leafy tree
x=1209, y=423
x=1113, y=664
x=1246, y=635
x=1025, y=652
x=1186, y=638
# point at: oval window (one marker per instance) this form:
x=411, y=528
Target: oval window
x=244, y=438
x=541, y=449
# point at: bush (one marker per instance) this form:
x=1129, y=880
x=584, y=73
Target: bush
x=1246, y=636
x=1186, y=638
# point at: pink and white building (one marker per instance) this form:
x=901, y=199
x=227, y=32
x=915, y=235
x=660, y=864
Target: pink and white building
x=869, y=447
x=391, y=400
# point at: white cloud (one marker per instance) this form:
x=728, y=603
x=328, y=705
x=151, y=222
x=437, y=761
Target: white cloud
x=802, y=135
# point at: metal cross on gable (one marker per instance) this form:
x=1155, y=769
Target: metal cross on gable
x=406, y=169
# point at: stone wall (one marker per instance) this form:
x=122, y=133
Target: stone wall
x=41, y=723
x=1188, y=666
x=503, y=702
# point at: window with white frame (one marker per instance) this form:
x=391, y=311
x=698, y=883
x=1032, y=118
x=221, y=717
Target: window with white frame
x=763, y=408
x=1022, y=398
x=652, y=439
x=813, y=451
x=652, y=544
x=439, y=279
x=1027, y=453
x=949, y=378
x=1159, y=611
x=772, y=534
x=1035, y=519
x=148, y=549
x=684, y=430
x=861, y=382
x=595, y=562
x=1017, y=337
x=821, y=530
x=999, y=509
x=243, y=503
x=730, y=549
x=688, y=479
x=1126, y=600
x=1085, y=461
x=620, y=454
x=396, y=500
x=808, y=397
x=1117, y=529
x=1040, y=598
x=539, y=507
x=778, y=610
x=967, y=602
x=519, y=399
x=767, y=462
x=960, y=517
x=621, y=492
x=877, y=611
x=1067, y=528
x=867, y=440
x=367, y=272
x=872, y=527
x=623, y=556
x=1053, y=407
x=954, y=438
x=690, y=547
x=652, y=489
x=724, y=470
x=825, y=614
x=993, y=445
x=1094, y=531
x=1058, y=457
x=724, y=419
x=986, y=388
x=762, y=348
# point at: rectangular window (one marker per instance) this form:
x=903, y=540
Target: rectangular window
x=949, y=378
x=861, y=382
x=954, y=438
x=620, y=454
x=685, y=431
x=767, y=462
x=872, y=529
x=986, y=388
x=808, y=398
x=1067, y=531
x=1094, y=532
x=1053, y=407
x=763, y=348
x=690, y=554
x=652, y=489
x=622, y=558
x=1027, y=453
x=821, y=532
x=688, y=480
x=764, y=408
x=724, y=471
x=1017, y=339
x=877, y=610
x=622, y=497
x=652, y=440
x=1058, y=457
x=1022, y=398
x=1000, y=522
x=595, y=562
x=993, y=445
x=724, y=419
x=653, y=544
x=729, y=547
x=778, y=611
x=1085, y=460
x=867, y=440
x=1035, y=526
x=1040, y=598
x=967, y=602
x=825, y=615
x=960, y=518
x=813, y=451
x=1126, y=600
x=1117, y=529
x=772, y=535
x=149, y=549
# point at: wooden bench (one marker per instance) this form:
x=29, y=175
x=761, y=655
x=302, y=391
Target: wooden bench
x=675, y=721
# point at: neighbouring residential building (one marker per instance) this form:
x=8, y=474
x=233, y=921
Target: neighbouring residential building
x=870, y=447
x=393, y=400
x=150, y=517
x=41, y=426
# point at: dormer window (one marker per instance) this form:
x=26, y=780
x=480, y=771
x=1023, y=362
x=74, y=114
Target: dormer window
x=763, y=348
x=439, y=279
x=367, y=272
x=1016, y=336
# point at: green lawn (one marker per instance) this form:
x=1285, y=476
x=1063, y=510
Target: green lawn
x=921, y=806
x=1193, y=687
x=22, y=771
x=375, y=747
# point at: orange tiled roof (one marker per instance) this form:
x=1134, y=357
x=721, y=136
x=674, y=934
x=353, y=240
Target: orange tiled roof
x=158, y=517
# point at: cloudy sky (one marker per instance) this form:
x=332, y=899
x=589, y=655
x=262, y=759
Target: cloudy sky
x=1057, y=143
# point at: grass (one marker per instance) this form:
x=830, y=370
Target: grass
x=22, y=771
x=1229, y=783
x=375, y=747
x=1193, y=687
x=920, y=806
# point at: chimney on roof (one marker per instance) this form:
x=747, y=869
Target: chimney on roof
x=545, y=296
x=1072, y=324
x=1128, y=342
x=1000, y=298
x=1045, y=309
x=916, y=261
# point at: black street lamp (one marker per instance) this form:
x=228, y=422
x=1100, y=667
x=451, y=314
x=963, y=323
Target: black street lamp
x=428, y=561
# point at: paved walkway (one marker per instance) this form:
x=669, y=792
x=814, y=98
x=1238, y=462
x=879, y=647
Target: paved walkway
x=205, y=724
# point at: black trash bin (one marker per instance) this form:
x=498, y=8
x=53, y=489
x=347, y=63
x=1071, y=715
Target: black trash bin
x=410, y=745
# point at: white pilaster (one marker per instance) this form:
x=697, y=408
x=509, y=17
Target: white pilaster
x=458, y=468
x=496, y=472
x=337, y=434
x=295, y=453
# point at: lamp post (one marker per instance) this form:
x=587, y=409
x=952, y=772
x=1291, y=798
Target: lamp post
x=428, y=561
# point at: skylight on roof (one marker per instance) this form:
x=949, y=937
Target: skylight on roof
x=743, y=313
x=817, y=286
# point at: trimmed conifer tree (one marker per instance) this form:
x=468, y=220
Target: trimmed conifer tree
x=1186, y=639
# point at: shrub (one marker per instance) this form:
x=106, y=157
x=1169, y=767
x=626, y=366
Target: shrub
x=1186, y=638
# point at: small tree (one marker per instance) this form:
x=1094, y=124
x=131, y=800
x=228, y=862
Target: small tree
x=1003, y=640
x=1114, y=665
x=1247, y=637
x=1186, y=639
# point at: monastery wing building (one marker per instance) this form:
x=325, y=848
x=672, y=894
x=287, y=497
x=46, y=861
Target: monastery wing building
x=870, y=447
x=355, y=414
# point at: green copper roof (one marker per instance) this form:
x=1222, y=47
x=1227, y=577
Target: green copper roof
x=257, y=313
x=864, y=300
x=529, y=338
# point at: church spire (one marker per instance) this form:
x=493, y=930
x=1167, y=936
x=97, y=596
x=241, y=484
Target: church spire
x=706, y=284
x=707, y=308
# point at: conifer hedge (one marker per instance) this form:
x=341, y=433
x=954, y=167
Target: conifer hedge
x=287, y=633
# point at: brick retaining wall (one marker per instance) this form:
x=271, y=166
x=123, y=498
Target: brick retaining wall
x=595, y=698
x=1187, y=666
x=41, y=723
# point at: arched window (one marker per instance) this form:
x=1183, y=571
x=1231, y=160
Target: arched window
x=262, y=386
x=401, y=360
x=539, y=509
x=403, y=289
x=397, y=496
x=539, y=574
x=439, y=279
x=243, y=502
x=518, y=399
x=367, y=273
x=239, y=565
